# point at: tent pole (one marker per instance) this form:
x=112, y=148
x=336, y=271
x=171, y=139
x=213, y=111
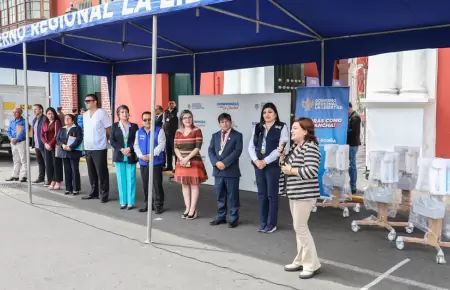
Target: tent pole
x=112, y=96
x=322, y=63
x=27, y=131
x=152, y=130
x=194, y=76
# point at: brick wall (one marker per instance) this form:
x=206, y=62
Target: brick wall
x=106, y=105
x=69, y=92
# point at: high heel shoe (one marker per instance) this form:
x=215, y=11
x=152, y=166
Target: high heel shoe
x=184, y=215
x=51, y=186
x=192, y=217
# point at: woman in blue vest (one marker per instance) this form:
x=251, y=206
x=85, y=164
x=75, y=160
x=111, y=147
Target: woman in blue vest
x=268, y=135
x=142, y=149
x=122, y=139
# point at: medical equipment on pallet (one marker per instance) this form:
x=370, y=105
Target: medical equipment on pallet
x=335, y=180
x=431, y=211
x=382, y=195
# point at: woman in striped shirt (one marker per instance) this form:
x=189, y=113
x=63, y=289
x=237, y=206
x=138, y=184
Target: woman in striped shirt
x=299, y=182
x=190, y=170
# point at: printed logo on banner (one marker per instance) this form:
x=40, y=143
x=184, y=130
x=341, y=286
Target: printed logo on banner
x=195, y=106
x=228, y=105
x=200, y=123
x=259, y=105
x=307, y=104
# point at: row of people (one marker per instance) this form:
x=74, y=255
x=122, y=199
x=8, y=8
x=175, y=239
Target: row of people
x=279, y=169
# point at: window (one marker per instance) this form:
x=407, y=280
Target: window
x=20, y=10
x=84, y=4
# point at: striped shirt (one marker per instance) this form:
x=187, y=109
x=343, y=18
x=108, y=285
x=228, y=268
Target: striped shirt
x=306, y=185
x=186, y=144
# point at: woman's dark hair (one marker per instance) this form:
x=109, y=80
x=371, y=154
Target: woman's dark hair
x=120, y=108
x=260, y=127
x=182, y=114
x=72, y=116
x=55, y=115
x=308, y=125
x=270, y=106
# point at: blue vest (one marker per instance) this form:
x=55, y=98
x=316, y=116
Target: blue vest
x=144, y=145
x=272, y=139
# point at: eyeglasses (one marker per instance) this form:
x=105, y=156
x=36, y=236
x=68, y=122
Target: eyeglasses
x=146, y=120
x=187, y=118
x=88, y=101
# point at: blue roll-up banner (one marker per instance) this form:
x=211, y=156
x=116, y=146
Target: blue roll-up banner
x=328, y=108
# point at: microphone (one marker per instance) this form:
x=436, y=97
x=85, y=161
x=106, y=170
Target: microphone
x=282, y=152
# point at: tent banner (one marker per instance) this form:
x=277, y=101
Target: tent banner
x=245, y=111
x=328, y=108
x=99, y=14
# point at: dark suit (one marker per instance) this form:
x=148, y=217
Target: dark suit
x=71, y=159
x=227, y=180
x=39, y=146
x=159, y=120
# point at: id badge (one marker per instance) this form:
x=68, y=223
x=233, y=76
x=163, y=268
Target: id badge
x=220, y=152
x=167, y=119
x=263, y=151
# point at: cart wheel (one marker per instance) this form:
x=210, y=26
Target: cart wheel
x=355, y=227
x=314, y=209
x=357, y=208
x=410, y=229
x=346, y=213
x=392, y=235
x=440, y=259
x=400, y=244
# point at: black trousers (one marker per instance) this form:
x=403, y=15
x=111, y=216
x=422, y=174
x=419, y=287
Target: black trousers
x=40, y=157
x=72, y=174
x=170, y=151
x=97, y=165
x=158, y=190
x=54, y=167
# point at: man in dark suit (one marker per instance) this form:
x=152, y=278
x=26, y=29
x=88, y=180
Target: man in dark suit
x=159, y=111
x=224, y=152
x=37, y=142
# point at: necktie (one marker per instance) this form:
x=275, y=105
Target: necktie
x=223, y=136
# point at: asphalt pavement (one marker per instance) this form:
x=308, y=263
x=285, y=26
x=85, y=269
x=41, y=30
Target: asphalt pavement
x=356, y=260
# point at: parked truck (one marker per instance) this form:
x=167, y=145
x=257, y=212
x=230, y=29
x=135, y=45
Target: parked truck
x=12, y=97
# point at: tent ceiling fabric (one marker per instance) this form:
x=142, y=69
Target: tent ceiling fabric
x=228, y=34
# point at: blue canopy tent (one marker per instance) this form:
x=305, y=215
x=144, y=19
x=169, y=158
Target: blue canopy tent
x=120, y=38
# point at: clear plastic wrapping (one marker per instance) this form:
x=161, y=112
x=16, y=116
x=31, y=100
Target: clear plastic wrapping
x=374, y=195
x=426, y=207
x=327, y=192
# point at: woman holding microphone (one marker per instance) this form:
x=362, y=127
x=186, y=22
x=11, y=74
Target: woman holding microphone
x=300, y=183
x=268, y=135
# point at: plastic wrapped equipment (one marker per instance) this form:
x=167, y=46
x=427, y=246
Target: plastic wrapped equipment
x=389, y=170
x=330, y=156
x=424, y=165
x=374, y=195
x=375, y=158
x=437, y=177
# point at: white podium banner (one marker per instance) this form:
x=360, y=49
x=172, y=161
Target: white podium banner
x=245, y=111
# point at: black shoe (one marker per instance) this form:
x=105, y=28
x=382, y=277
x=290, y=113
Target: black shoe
x=159, y=211
x=104, y=200
x=37, y=181
x=217, y=222
x=75, y=193
x=232, y=225
x=23, y=179
x=67, y=192
x=90, y=197
x=46, y=184
x=12, y=179
x=193, y=216
x=145, y=209
x=123, y=207
x=130, y=207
